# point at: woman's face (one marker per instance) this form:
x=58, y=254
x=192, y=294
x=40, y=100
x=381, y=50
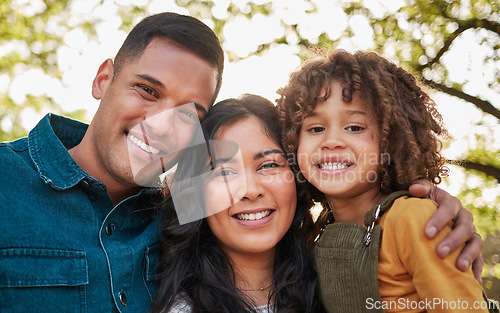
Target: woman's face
x=254, y=193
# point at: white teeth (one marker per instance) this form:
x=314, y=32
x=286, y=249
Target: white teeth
x=252, y=216
x=333, y=165
x=143, y=145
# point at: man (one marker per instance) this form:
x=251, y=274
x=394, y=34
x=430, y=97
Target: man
x=75, y=237
x=77, y=229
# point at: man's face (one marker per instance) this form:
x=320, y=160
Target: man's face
x=149, y=112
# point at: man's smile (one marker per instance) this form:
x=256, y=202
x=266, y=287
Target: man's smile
x=144, y=146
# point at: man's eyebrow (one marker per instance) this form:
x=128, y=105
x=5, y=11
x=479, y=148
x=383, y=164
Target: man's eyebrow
x=263, y=153
x=156, y=82
x=151, y=79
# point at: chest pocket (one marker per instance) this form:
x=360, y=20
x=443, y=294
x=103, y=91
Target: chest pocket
x=150, y=268
x=42, y=280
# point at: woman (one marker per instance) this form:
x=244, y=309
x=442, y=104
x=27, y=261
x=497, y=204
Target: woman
x=253, y=255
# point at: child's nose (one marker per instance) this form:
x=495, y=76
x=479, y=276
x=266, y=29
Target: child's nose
x=334, y=139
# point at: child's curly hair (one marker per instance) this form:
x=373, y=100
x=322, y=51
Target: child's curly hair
x=407, y=119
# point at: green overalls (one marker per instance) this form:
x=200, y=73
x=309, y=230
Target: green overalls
x=346, y=257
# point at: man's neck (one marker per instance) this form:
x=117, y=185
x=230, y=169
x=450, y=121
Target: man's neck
x=85, y=159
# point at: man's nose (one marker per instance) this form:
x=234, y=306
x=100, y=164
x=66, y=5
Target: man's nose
x=161, y=123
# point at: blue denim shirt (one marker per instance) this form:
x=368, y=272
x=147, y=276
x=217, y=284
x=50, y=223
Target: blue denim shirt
x=64, y=247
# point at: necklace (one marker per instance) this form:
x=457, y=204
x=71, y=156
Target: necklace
x=259, y=289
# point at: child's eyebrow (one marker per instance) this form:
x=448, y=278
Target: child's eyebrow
x=312, y=114
x=353, y=112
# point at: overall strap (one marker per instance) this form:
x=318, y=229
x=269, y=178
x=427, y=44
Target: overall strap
x=371, y=216
x=377, y=211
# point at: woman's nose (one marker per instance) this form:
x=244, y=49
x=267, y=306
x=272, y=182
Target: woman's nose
x=254, y=188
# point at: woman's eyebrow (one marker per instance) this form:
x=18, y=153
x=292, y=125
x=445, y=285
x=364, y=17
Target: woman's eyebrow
x=201, y=109
x=220, y=161
x=263, y=153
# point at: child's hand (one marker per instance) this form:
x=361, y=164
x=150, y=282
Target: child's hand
x=451, y=209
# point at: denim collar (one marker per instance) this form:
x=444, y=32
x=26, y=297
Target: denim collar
x=48, y=145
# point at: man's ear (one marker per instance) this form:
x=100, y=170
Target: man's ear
x=102, y=79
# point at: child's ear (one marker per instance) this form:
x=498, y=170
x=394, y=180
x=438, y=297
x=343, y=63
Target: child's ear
x=102, y=79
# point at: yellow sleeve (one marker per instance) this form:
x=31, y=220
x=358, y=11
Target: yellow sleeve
x=437, y=281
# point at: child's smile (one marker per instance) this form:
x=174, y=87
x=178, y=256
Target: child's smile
x=329, y=165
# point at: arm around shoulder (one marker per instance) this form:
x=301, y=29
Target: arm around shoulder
x=434, y=278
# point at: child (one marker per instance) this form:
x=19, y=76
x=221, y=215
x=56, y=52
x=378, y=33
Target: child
x=363, y=131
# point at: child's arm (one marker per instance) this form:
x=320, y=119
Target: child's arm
x=450, y=209
x=436, y=280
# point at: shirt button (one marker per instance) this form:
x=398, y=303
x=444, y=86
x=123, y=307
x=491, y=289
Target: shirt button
x=122, y=297
x=109, y=229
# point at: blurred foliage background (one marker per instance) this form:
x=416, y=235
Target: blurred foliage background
x=430, y=38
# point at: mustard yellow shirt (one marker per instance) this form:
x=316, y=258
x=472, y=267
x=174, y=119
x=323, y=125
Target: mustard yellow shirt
x=411, y=277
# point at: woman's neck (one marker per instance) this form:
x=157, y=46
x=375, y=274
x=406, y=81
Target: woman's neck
x=254, y=274
x=353, y=209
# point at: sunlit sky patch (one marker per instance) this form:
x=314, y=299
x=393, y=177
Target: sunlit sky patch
x=79, y=58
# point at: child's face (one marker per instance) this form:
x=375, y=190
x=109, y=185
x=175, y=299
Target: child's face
x=338, y=149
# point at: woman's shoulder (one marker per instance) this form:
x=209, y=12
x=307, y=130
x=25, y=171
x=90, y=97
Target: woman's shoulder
x=264, y=309
x=181, y=304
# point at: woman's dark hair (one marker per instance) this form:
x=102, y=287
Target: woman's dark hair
x=184, y=31
x=407, y=119
x=192, y=263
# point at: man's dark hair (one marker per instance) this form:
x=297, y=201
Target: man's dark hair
x=184, y=31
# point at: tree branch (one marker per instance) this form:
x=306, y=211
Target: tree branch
x=445, y=47
x=481, y=23
x=483, y=105
x=486, y=169
x=462, y=26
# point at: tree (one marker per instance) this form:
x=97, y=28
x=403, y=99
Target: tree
x=430, y=38
x=30, y=35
